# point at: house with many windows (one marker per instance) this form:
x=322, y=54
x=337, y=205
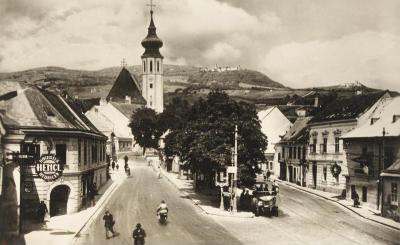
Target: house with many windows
x=373, y=150
x=53, y=154
x=328, y=168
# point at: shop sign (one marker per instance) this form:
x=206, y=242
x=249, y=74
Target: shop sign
x=49, y=167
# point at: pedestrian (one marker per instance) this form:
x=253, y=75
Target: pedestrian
x=242, y=200
x=138, y=235
x=109, y=223
x=126, y=159
x=92, y=192
x=41, y=211
x=247, y=200
x=268, y=174
x=117, y=166
x=356, y=200
x=113, y=165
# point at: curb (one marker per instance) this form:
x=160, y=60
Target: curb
x=197, y=205
x=341, y=204
x=100, y=204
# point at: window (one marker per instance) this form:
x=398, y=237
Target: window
x=279, y=156
x=61, y=153
x=158, y=66
x=271, y=165
x=151, y=66
x=85, y=152
x=30, y=149
x=324, y=145
x=336, y=144
x=79, y=152
x=393, y=195
x=144, y=66
x=151, y=85
x=304, y=152
x=294, y=153
x=313, y=146
x=324, y=170
x=299, y=152
x=283, y=152
x=290, y=152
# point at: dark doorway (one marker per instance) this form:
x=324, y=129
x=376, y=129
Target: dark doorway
x=364, y=193
x=314, y=174
x=290, y=173
x=282, y=171
x=59, y=200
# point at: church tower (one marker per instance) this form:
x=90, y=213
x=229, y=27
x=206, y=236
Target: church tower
x=152, y=69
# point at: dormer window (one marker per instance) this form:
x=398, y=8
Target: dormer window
x=373, y=120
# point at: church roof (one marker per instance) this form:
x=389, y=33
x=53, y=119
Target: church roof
x=125, y=85
x=126, y=109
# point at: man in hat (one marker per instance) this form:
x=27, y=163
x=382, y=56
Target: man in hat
x=138, y=235
x=109, y=223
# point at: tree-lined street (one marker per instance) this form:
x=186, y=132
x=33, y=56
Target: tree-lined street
x=303, y=219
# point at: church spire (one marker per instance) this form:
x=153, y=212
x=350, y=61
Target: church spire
x=152, y=43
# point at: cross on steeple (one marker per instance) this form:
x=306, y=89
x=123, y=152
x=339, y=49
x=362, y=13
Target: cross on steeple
x=151, y=6
x=123, y=62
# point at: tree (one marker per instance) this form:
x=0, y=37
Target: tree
x=145, y=129
x=206, y=140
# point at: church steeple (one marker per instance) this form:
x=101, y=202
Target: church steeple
x=152, y=68
x=152, y=43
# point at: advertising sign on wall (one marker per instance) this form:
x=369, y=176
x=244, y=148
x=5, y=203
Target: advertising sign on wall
x=49, y=167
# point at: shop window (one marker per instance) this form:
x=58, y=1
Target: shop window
x=393, y=195
x=61, y=153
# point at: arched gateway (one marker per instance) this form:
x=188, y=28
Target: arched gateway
x=59, y=200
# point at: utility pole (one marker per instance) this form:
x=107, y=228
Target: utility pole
x=382, y=167
x=235, y=165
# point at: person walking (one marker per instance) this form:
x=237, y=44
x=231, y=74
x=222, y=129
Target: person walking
x=117, y=166
x=41, y=211
x=109, y=223
x=113, y=165
x=356, y=200
x=138, y=235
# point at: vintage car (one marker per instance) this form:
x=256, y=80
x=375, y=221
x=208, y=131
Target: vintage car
x=265, y=203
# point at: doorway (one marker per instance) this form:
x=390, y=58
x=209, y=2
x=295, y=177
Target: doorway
x=314, y=174
x=364, y=193
x=59, y=200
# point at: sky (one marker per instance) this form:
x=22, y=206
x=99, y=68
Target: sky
x=299, y=43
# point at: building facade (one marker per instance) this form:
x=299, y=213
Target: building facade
x=371, y=148
x=152, y=69
x=273, y=124
x=291, y=152
x=328, y=168
x=53, y=154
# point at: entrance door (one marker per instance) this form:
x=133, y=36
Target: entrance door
x=364, y=193
x=59, y=200
x=314, y=174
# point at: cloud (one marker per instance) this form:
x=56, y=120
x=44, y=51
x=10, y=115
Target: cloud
x=369, y=57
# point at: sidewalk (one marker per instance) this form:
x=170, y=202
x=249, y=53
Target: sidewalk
x=363, y=211
x=61, y=230
x=206, y=203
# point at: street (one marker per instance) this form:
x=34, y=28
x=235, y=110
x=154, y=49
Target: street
x=137, y=201
x=304, y=219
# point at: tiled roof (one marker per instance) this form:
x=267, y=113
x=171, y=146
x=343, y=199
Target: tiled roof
x=126, y=85
x=37, y=108
x=384, y=119
x=298, y=132
x=126, y=109
x=347, y=108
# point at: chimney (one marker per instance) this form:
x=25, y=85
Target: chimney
x=316, y=101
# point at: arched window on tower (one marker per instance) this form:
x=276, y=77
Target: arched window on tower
x=144, y=66
x=158, y=66
x=151, y=66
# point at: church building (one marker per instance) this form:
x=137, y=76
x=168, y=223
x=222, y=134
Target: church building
x=114, y=113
